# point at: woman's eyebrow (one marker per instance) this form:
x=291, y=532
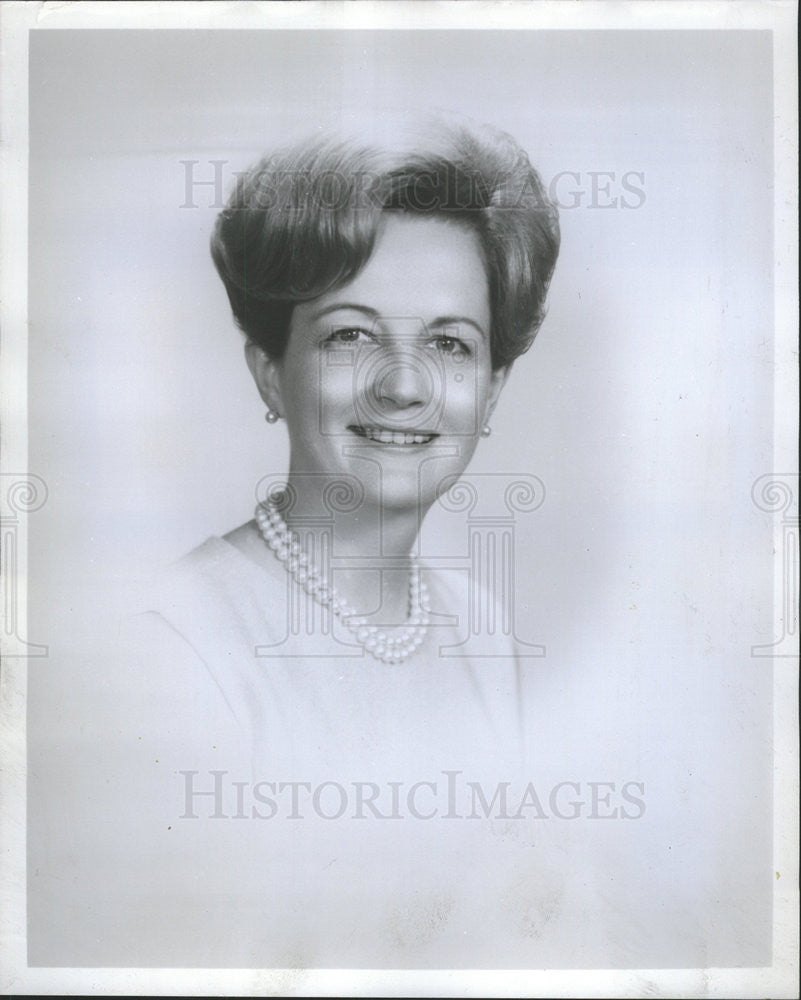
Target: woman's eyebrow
x=336, y=306
x=435, y=324
x=441, y=321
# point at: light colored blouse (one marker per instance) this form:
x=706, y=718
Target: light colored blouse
x=259, y=793
x=303, y=692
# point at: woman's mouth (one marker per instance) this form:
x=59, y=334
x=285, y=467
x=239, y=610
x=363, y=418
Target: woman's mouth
x=384, y=435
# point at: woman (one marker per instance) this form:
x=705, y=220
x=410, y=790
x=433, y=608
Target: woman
x=308, y=668
x=384, y=294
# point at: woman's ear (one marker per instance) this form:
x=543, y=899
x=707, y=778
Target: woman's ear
x=497, y=382
x=265, y=372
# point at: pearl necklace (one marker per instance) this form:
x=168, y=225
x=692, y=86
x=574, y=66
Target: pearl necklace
x=389, y=646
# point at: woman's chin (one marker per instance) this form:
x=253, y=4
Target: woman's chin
x=401, y=490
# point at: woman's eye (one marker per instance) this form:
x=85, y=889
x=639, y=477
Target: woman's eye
x=451, y=345
x=349, y=335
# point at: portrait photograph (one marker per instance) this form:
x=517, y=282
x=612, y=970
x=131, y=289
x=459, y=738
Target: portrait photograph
x=400, y=499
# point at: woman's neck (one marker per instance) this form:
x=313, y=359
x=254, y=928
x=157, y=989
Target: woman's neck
x=367, y=546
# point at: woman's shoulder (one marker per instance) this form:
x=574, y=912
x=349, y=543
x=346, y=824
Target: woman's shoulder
x=206, y=616
x=235, y=560
x=216, y=553
x=217, y=593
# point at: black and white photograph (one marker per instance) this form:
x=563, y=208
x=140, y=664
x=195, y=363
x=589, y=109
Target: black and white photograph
x=400, y=499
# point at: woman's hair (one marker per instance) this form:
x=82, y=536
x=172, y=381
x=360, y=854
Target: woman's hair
x=304, y=221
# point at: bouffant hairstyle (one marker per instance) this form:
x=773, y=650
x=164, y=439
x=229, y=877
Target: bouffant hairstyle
x=304, y=221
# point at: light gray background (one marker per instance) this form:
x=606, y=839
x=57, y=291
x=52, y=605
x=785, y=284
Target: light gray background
x=645, y=405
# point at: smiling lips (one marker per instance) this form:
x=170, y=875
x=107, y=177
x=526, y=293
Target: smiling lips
x=384, y=436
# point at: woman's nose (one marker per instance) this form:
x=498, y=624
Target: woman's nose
x=403, y=379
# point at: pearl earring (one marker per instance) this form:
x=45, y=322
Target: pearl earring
x=271, y=416
x=486, y=430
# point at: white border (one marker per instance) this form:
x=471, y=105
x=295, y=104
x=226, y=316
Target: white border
x=17, y=19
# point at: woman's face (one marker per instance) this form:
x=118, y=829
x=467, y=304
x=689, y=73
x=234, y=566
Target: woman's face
x=388, y=378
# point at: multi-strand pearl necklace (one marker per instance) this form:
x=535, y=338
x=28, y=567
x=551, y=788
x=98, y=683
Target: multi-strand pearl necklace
x=389, y=646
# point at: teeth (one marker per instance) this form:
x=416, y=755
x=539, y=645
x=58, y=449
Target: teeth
x=395, y=437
